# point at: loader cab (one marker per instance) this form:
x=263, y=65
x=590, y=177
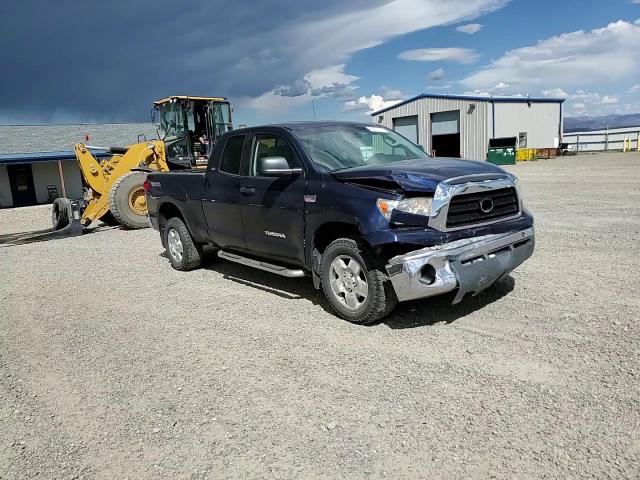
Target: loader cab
x=190, y=126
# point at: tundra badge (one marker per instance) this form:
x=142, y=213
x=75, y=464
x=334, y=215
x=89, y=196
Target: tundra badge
x=274, y=234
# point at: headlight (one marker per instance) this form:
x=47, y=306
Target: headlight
x=415, y=206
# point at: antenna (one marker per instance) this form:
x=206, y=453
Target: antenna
x=313, y=104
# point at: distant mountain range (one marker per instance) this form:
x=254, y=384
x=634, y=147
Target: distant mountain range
x=583, y=124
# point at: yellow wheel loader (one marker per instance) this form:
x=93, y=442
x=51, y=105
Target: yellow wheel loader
x=188, y=128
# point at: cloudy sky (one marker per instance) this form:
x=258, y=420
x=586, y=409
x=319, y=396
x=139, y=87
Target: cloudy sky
x=90, y=61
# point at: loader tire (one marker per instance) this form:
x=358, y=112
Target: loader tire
x=60, y=213
x=127, y=201
x=184, y=254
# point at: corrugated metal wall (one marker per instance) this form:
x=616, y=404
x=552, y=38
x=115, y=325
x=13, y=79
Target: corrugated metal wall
x=474, y=127
x=541, y=122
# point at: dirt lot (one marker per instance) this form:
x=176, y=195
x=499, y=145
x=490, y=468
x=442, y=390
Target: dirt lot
x=113, y=365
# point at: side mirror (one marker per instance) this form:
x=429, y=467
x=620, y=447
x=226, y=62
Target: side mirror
x=276, y=167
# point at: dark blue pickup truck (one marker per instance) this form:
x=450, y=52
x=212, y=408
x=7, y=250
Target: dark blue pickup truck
x=363, y=211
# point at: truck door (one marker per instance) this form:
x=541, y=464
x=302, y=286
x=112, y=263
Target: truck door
x=273, y=207
x=221, y=194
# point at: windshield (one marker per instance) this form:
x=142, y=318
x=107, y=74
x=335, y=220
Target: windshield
x=338, y=147
x=171, y=123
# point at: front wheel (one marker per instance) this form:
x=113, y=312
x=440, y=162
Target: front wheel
x=356, y=290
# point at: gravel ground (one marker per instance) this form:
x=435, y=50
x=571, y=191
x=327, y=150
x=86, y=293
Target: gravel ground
x=113, y=365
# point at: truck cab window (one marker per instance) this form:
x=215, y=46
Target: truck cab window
x=232, y=155
x=270, y=146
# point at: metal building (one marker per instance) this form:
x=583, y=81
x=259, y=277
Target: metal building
x=37, y=162
x=461, y=125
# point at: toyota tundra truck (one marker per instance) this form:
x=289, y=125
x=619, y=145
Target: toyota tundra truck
x=364, y=212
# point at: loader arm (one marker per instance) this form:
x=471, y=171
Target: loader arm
x=100, y=176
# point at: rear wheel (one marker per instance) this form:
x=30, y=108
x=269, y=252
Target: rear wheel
x=60, y=213
x=127, y=201
x=183, y=252
x=355, y=288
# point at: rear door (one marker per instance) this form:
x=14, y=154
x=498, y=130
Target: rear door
x=273, y=207
x=221, y=195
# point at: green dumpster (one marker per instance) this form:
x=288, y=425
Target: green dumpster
x=502, y=151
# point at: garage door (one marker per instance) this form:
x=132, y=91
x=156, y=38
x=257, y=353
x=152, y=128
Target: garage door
x=445, y=133
x=407, y=127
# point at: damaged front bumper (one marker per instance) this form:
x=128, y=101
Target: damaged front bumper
x=470, y=265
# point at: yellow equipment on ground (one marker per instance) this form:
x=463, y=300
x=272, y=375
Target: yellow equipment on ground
x=188, y=128
x=526, y=155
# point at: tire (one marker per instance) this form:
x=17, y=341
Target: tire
x=60, y=213
x=184, y=254
x=343, y=280
x=127, y=201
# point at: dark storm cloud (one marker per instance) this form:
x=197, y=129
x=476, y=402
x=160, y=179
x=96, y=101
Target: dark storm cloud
x=295, y=89
x=109, y=60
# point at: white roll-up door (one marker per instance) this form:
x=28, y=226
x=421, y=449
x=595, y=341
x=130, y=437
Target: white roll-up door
x=407, y=127
x=445, y=123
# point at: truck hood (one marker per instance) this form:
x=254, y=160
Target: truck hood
x=418, y=175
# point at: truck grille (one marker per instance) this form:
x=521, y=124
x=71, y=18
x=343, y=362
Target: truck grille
x=482, y=207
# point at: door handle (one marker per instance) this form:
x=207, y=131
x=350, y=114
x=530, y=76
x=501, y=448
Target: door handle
x=247, y=190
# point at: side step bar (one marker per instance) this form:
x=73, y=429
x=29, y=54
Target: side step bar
x=267, y=267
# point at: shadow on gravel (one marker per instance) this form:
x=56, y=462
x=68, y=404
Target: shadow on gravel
x=23, y=238
x=421, y=313
x=418, y=313
x=289, y=288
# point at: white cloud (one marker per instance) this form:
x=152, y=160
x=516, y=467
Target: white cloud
x=594, y=98
x=392, y=93
x=448, y=86
x=273, y=103
x=307, y=46
x=635, y=88
x=437, y=74
x=331, y=75
x=600, y=56
x=452, y=54
x=610, y=100
x=368, y=104
x=326, y=82
x=479, y=93
x=501, y=86
x=470, y=28
x=555, y=93
x=594, y=103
